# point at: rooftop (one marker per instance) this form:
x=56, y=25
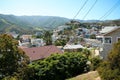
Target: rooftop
x=108, y=29
x=37, y=53
x=73, y=46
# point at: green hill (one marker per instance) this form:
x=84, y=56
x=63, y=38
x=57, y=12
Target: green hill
x=29, y=23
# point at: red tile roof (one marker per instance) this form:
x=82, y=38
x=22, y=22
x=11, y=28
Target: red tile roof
x=37, y=53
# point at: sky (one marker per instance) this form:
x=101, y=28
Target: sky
x=61, y=8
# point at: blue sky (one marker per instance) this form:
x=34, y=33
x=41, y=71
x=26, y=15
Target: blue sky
x=62, y=8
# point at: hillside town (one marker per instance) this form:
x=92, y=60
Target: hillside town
x=98, y=40
x=67, y=46
x=60, y=40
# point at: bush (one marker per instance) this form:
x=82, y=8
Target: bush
x=95, y=62
x=60, y=66
x=107, y=73
x=110, y=69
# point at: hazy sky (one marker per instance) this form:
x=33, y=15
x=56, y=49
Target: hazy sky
x=62, y=8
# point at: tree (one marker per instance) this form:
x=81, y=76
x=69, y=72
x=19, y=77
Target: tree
x=92, y=36
x=60, y=42
x=12, y=59
x=86, y=52
x=60, y=66
x=48, y=38
x=110, y=69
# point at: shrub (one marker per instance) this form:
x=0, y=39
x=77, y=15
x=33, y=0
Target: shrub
x=95, y=62
x=110, y=69
x=60, y=66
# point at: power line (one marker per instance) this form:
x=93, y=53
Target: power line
x=80, y=9
x=90, y=9
x=110, y=10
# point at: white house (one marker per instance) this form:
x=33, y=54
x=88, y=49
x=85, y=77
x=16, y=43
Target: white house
x=72, y=48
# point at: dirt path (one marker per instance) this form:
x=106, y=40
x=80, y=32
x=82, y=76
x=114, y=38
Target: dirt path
x=93, y=75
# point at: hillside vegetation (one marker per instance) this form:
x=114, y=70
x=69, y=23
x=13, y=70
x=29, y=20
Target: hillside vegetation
x=110, y=69
x=29, y=23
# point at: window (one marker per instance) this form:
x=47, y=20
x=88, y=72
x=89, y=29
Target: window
x=108, y=40
x=100, y=39
x=118, y=39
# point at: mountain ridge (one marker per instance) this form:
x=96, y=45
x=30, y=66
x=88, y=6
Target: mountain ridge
x=33, y=23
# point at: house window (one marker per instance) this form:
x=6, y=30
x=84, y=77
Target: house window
x=118, y=39
x=100, y=39
x=108, y=40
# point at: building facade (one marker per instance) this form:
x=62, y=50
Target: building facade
x=108, y=37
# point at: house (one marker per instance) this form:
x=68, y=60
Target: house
x=24, y=37
x=37, y=42
x=82, y=32
x=39, y=33
x=108, y=36
x=60, y=28
x=29, y=41
x=72, y=48
x=92, y=43
x=36, y=53
x=54, y=36
x=13, y=34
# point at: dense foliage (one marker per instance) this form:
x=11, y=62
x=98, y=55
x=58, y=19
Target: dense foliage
x=95, y=62
x=110, y=69
x=12, y=59
x=60, y=42
x=59, y=66
x=93, y=36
